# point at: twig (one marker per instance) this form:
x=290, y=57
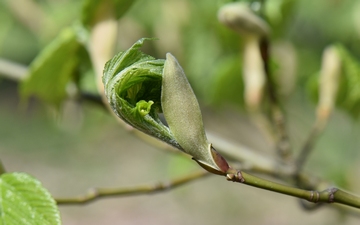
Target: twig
x=97, y=193
x=331, y=195
x=264, y=126
x=276, y=113
x=12, y=70
x=307, y=148
x=94, y=98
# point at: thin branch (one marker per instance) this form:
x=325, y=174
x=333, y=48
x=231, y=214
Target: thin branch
x=276, y=113
x=12, y=70
x=316, y=131
x=97, y=193
x=308, y=147
x=93, y=98
x=264, y=126
x=331, y=195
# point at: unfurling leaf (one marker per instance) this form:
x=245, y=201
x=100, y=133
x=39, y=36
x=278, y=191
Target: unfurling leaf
x=23, y=200
x=132, y=83
x=138, y=87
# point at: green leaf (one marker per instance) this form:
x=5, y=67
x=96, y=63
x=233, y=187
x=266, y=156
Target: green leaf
x=52, y=69
x=96, y=10
x=23, y=200
x=132, y=81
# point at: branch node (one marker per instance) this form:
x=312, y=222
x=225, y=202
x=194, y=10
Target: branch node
x=314, y=196
x=238, y=177
x=331, y=195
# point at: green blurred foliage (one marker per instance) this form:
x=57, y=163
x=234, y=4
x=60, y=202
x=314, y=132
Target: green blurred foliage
x=209, y=52
x=93, y=11
x=53, y=69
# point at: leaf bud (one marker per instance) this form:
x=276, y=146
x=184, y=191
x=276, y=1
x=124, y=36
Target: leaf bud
x=182, y=113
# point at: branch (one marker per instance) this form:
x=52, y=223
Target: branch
x=331, y=195
x=276, y=113
x=97, y=193
x=308, y=147
x=12, y=70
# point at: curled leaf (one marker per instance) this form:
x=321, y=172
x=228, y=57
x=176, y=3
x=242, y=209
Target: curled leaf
x=132, y=81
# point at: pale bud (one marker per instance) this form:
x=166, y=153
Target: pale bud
x=329, y=82
x=240, y=18
x=182, y=113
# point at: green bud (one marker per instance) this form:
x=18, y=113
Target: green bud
x=182, y=113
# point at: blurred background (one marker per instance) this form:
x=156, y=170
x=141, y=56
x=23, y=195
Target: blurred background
x=82, y=145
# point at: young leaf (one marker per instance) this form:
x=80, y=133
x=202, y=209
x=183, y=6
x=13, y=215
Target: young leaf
x=52, y=69
x=138, y=87
x=132, y=83
x=23, y=200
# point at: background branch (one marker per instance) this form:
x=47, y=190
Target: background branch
x=276, y=113
x=11, y=70
x=97, y=193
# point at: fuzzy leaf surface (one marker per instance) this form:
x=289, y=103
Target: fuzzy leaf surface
x=24, y=201
x=132, y=81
